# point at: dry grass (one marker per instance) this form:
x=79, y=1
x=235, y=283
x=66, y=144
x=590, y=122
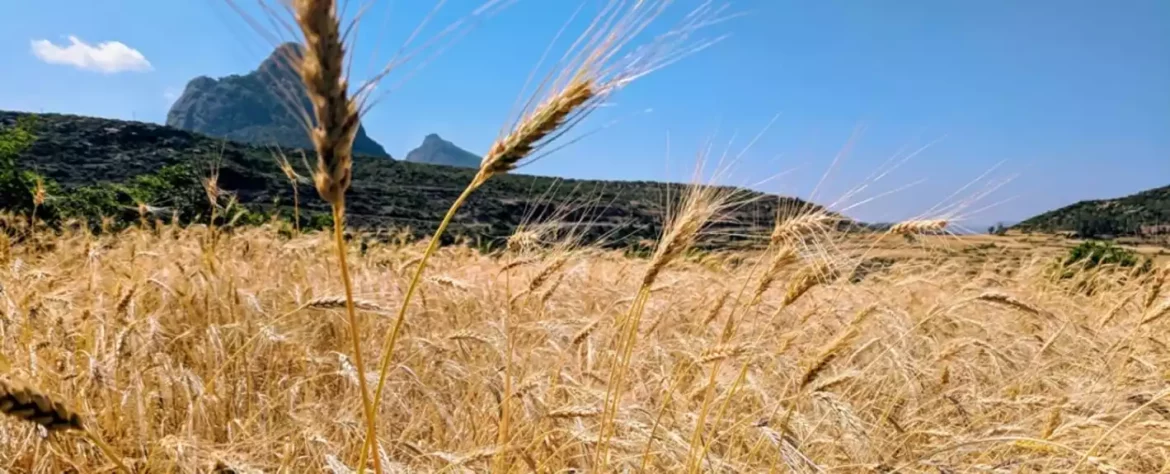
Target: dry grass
x=185, y=358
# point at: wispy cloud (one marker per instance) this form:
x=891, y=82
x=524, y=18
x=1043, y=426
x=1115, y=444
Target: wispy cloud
x=172, y=94
x=109, y=57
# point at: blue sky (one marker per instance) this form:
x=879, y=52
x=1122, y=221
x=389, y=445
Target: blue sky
x=1071, y=96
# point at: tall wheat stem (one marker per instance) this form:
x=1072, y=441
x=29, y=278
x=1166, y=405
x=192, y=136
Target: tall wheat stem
x=728, y=333
x=678, y=379
x=107, y=451
x=706, y=447
x=392, y=337
x=296, y=209
x=356, y=337
x=506, y=407
x=617, y=374
x=704, y=410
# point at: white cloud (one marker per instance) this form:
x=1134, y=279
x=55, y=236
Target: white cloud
x=108, y=57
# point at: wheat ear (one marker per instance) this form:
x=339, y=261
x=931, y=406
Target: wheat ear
x=294, y=180
x=544, y=120
x=805, y=280
x=1157, y=312
x=321, y=67
x=920, y=226
x=38, y=200
x=27, y=403
x=830, y=351
x=794, y=229
x=1004, y=299
x=782, y=258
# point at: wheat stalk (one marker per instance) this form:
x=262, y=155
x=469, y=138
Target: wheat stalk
x=1051, y=423
x=584, y=332
x=321, y=68
x=701, y=205
x=38, y=195
x=589, y=81
x=1160, y=277
x=448, y=282
x=294, y=181
x=716, y=308
x=466, y=335
x=517, y=263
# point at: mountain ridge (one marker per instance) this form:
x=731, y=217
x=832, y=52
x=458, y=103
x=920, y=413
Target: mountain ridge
x=77, y=151
x=1142, y=213
x=254, y=107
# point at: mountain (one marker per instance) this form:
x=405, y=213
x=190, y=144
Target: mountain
x=1144, y=213
x=79, y=152
x=437, y=151
x=253, y=108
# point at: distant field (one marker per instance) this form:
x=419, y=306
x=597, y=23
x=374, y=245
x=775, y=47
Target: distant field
x=986, y=247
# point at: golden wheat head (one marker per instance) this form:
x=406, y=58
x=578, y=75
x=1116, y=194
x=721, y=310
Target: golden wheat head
x=545, y=119
x=321, y=67
x=27, y=403
x=594, y=68
x=921, y=226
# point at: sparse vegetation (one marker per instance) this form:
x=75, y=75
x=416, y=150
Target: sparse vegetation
x=1092, y=254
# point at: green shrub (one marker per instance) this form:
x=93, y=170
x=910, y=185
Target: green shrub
x=316, y=221
x=1095, y=253
x=1092, y=254
x=17, y=185
x=94, y=202
x=173, y=186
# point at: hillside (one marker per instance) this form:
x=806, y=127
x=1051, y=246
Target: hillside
x=437, y=151
x=1144, y=213
x=252, y=108
x=79, y=151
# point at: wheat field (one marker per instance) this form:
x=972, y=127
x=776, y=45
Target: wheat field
x=214, y=348
x=192, y=357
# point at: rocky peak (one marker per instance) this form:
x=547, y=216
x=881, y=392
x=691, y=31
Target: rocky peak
x=435, y=150
x=253, y=107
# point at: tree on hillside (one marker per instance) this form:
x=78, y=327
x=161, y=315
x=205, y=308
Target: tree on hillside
x=17, y=186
